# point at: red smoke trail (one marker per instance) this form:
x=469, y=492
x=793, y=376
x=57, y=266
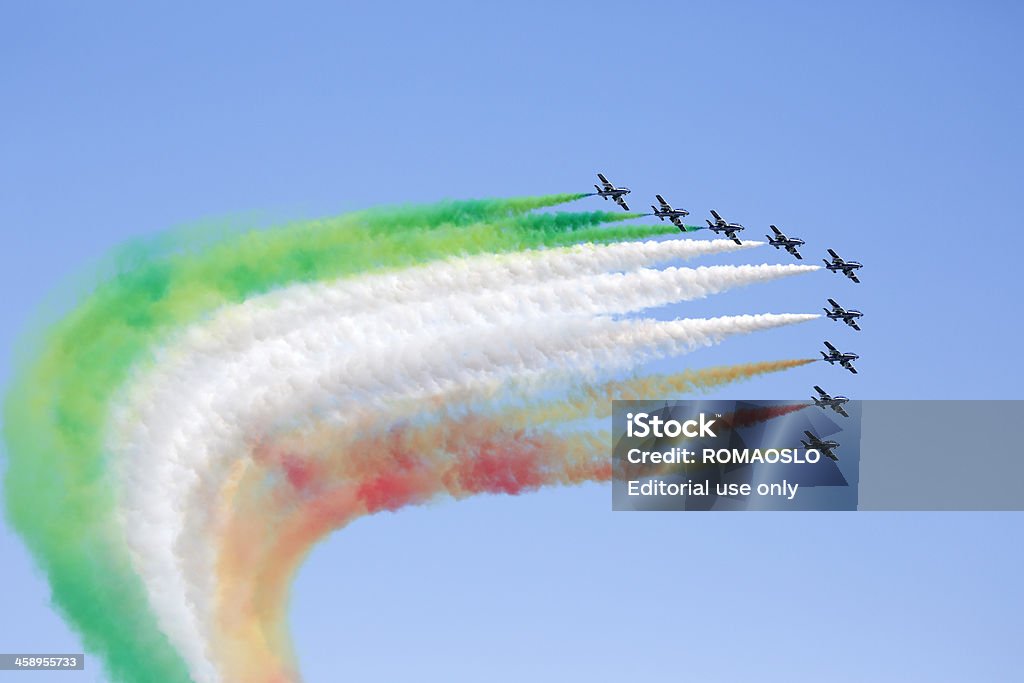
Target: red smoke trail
x=752, y=416
x=279, y=510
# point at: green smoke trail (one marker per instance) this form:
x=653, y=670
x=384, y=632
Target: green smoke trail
x=460, y=212
x=615, y=234
x=571, y=220
x=59, y=490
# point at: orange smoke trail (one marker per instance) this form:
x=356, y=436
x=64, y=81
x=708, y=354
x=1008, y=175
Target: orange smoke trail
x=596, y=401
x=276, y=513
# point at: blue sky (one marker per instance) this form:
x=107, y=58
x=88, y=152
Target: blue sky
x=887, y=131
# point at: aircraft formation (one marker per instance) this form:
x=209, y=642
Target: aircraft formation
x=664, y=210
x=835, y=263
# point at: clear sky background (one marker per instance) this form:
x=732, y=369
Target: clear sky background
x=887, y=131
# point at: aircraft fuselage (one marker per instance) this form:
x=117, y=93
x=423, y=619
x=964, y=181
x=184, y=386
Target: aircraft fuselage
x=727, y=229
x=788, y=242
x=845, y=315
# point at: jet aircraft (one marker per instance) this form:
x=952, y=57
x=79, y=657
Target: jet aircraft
x=838, y=264
x=608, y=190
x=781, y=241
x=824, y=401
x=720, y=225
x=664, y=211
x=847, y=316
x=836, y=356
x=823, y=447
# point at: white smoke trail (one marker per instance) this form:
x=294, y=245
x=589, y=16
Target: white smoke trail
x=303, y=302
x=391, y=317
x=175, y=459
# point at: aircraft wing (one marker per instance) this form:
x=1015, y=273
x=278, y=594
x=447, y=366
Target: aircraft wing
x=734, y=237
x=852, y=323
x=792, y=250
x=835, y=304
x=665, y=206
x=832, y=253
x=852, y=275
x=715, y=214
x=829, y=346
x=849, y=366
x=829, y=454
x=777, y=232
x=622, y=202
x=821, y=392
x=812, y=438
x=604, y=181
x=841, y=411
